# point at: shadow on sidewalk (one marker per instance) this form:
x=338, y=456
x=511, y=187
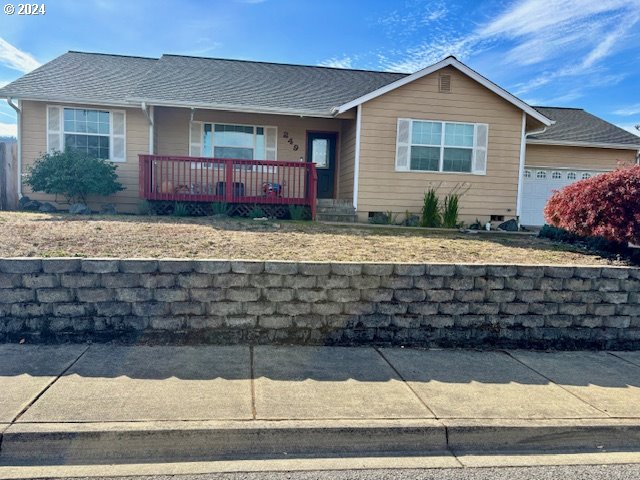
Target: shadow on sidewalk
x=331, y=364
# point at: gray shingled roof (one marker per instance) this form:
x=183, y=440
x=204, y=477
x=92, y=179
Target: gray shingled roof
x=576, y=125
x=259, y=85
x=77, y=76
x=195, y=81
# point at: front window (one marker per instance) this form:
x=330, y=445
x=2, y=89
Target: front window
x=240, y=142
x=441, y=146
x=88, y=131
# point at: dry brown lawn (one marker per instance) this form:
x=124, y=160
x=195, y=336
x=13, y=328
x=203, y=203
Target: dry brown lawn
x=56, y=235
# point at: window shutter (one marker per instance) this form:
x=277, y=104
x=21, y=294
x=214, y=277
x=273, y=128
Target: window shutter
x=403, y=144
x=481, y=139
x=271, y=142
x=196, y=136
x=118, y=129
x=54, y=129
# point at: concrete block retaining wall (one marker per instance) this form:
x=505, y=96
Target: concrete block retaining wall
x=209, y=301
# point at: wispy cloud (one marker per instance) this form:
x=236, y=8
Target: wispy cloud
x=8, y=129
x=628, y=110
x=338, y=62
x=16, y=59
x=532, y=32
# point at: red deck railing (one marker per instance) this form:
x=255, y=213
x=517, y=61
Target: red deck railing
x=199, y=179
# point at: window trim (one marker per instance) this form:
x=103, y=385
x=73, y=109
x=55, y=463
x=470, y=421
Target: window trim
x=442, y=147
x=213, y=146
x=62, y=132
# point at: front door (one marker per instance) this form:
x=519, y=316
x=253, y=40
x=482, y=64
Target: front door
x=321, y=150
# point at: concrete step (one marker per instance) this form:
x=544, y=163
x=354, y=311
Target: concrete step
x=125, y=442
x=338, y=210
x=336, y=217
x=333, y=202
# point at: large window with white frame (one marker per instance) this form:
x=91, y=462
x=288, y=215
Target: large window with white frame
x=439, y=146
x=97, y=132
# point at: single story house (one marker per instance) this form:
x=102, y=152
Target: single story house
x=202, y=129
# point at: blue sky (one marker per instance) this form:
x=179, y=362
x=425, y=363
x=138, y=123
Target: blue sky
x=583, y=53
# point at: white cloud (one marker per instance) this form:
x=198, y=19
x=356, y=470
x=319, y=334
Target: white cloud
x=338, y=62
x=628, y=111
x=8, y=129
x=534, y=32
x=16, y=59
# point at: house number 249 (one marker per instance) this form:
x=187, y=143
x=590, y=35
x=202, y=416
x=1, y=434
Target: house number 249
x=290, y=141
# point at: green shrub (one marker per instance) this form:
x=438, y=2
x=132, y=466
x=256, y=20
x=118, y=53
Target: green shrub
x=430, y=210
x=380, y=218
x=144, y=208
x=256, y=212
x=450, y=211
x=74, y=175
x=180, y=209
x=298, y=212
x=220, y=208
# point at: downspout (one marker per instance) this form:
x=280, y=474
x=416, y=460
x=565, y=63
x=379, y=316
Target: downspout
x=356, y=166
x=18, y=110
x=148, y=112
x=523, y=155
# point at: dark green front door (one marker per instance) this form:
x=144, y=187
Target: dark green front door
x=321, y=150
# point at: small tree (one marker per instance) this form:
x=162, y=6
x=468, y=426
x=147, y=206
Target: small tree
x=73, y=174
x=607, y=205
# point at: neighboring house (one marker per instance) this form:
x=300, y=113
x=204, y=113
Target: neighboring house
x=378, y=140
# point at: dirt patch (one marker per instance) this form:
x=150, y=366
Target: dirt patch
x=49, y=235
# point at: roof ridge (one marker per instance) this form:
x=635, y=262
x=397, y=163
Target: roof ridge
x=114, y=55
x=282, y=63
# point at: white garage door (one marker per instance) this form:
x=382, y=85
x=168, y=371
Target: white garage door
x=539, y=184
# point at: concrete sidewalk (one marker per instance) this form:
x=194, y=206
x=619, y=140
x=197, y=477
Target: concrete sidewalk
x=100, y=404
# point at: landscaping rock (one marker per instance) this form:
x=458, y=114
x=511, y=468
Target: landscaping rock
x=27, y=204
x=46, y=207
x=509, y=226
x=108, y=209
x=79, y=209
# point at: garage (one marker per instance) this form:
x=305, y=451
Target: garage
x=539, y=184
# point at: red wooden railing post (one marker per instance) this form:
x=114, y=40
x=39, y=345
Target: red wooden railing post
x=142, y=180
x=228, y=185
x=313, y=184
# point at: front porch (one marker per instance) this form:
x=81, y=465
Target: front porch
x=241, y=184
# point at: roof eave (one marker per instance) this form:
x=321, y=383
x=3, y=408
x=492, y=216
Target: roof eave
x=235, y=108
x=449, y=61
x=73, y=100
x=565, y=143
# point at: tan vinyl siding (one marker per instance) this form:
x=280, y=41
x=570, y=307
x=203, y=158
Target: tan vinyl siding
x=577, y=157
x=382, y=188
x=347, y=160
x=34, y=144
x=172, y=129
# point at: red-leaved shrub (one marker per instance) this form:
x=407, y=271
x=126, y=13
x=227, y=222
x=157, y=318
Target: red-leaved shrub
x=607, y=205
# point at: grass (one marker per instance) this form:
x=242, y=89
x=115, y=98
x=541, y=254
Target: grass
x=47, y=235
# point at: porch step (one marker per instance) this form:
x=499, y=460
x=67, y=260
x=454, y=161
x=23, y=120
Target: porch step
x=335, y=210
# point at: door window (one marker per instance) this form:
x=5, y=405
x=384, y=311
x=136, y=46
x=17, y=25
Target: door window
x=320, y=152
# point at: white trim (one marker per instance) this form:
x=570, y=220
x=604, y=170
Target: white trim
x=64, y=101
x=569, y=168
x=18, y=109
x=356, y=167
x=111, y=135
x=236, y=108
x=442, y=147
x=523, y=148
x=453, y=62
x=561, y=143
x=151, y=130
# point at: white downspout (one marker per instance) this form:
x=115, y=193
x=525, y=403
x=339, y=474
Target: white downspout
x=149, y=113
x=356, y=166
x=18, y=109
x=523, y=156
